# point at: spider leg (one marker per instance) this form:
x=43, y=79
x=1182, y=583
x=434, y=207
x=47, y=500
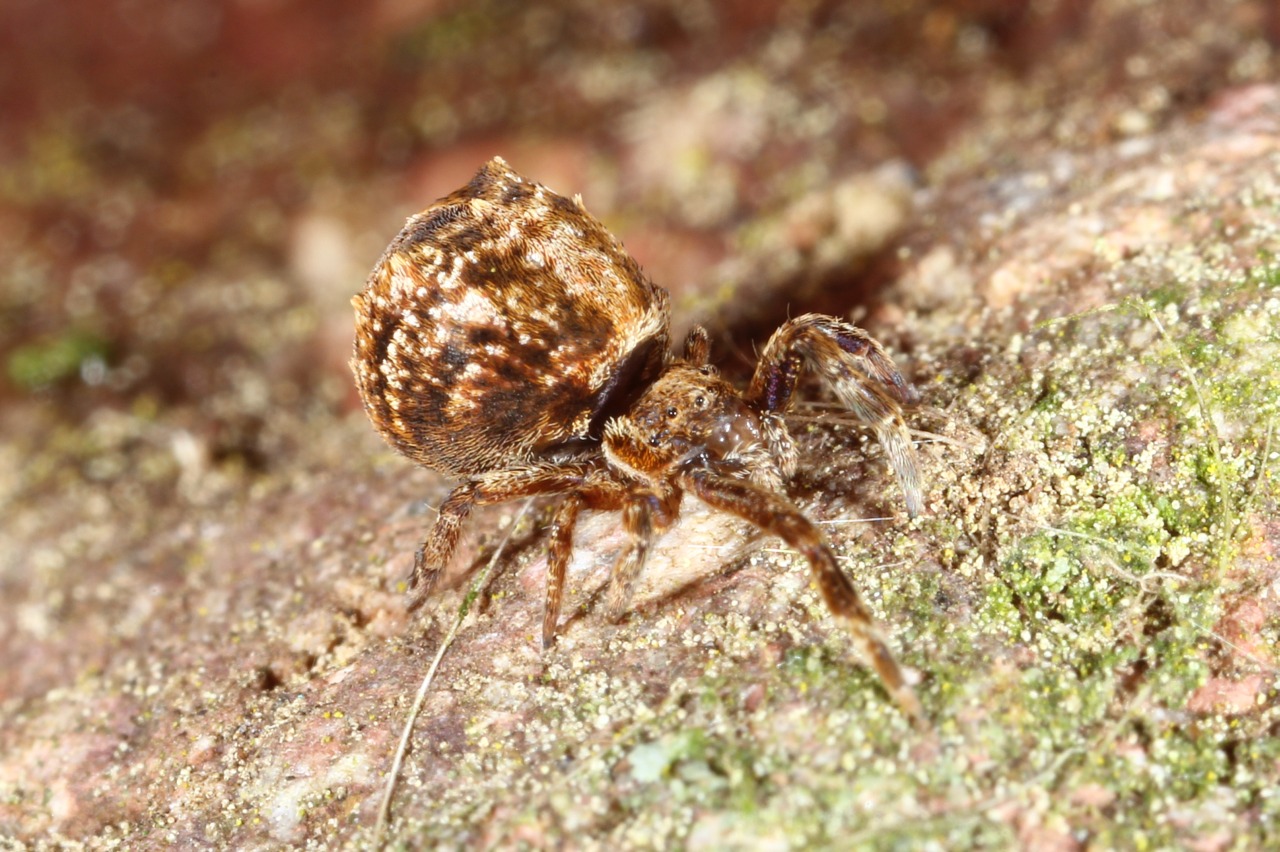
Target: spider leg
x=488, y=488
x=638, y=523
x=775, y=514
x=858, y=370
x=600, y=492
x=644, y=518
x=558, y=551
x=440, y=543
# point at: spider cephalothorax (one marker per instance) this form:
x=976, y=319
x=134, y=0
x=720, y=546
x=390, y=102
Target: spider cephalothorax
x=506, y=338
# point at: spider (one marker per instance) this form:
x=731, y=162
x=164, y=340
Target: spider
x=506, y=338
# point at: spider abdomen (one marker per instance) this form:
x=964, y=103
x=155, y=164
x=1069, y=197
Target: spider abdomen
x=502, y=322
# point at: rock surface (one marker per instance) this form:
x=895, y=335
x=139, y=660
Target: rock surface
x=1063, y=221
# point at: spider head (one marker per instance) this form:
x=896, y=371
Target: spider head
x=688, y=417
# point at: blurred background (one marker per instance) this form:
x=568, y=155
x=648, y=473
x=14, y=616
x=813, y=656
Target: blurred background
x=190, y=190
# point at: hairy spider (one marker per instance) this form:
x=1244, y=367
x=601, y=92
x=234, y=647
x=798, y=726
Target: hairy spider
x=507, y=339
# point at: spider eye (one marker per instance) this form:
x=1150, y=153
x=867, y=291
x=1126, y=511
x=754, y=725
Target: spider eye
x=671, y=412
x=654, y=439
x=700, y=401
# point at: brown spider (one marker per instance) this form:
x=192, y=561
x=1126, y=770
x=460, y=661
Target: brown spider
x=506, y=338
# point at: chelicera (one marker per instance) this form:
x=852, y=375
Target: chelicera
x=507, y=339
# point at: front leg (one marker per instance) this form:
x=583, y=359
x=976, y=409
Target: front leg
x=600, y=492
x=862, y=376
x=775, y=514
x=488, y=488
x=630, y=562
x=643, y=518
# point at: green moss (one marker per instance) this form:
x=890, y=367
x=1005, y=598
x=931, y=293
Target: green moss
x=53, y=359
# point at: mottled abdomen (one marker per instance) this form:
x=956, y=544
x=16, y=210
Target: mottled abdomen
x=488, y=334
